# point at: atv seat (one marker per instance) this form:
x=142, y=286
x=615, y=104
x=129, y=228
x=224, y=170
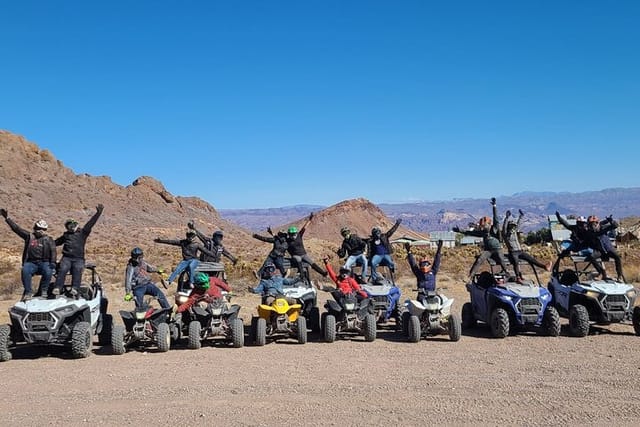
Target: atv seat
x=85, y=292
x=485, y=280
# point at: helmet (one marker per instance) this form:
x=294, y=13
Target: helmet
x=293, y=230
x=136, y=252
x=201, y=280
x=485, y=220
x=218, y=233
x=191, y=233
x=344, y=270
x=581, y=219
x=375, y=231
x=425, y=265
x=593, y=218
x=70, y=222
x=512, y=223
x=268, y=269
x=40, y=225
x=344, y=231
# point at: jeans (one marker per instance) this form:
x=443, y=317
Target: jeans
x=149, y=289
x=191, y=264
x=381, y=260
x=76, y=266
x=357, y=260
x=43, y=268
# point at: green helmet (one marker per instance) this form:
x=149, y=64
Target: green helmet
x=293, y=230
x=201, y=280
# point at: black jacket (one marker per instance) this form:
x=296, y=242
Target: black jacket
x=73, y=242
x=352, y=246
x=35, y=248
x=384, y=240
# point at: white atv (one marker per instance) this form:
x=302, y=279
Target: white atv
x=68, y=320
x=430, y=315
x=305, y=294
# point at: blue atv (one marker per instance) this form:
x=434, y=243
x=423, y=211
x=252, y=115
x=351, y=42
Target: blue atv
x=385, y=296
x=508, y=306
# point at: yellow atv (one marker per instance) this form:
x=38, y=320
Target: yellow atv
x=279, y=320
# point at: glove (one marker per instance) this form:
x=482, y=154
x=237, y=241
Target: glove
x=407, y=247
x=507, y=214
x=310, y=216
x=493, y=201
x=191, y=225
x=100, y=207
x=235, y=261
x=160, y=271
x=456, y=229
x=128, y=297
x=157, y=240
x=557, y=213
x=269, y=231
x=440, y=242
x=398, y=221
x=4, y=213
x=521, y=212
x=250, y=289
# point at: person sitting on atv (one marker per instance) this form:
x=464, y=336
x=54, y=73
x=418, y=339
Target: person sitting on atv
x=205, y=288
x=276, y=256
x=297, y=250
x=597, y=238
x=214, y=245
x=353, y=247
x=138, y=283
x=510, y=229
x=380, y=249
x=489, y=230
x=190, y=249
x=271, y=286
x=578, y=238
x=38, y=255
x=424, y=271
x=345, y=283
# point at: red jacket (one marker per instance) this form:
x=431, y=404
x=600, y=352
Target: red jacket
x=209, y=295
x=348, y=285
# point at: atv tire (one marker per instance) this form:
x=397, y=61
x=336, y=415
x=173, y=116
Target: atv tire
x=314, y=320
x=104, y=336
x=260, y=332
x=551, y=322
x=329, y=328
x=5, y=335
x=578, y=321
x=117, y=340
x=195, y=330
x=399, y=317
x=370, y=328
x=405, y=323
x=237, y=332
x=81, y=340
x=413, y=329
x=455, y=327
x=163, y=338
x=468, y=319
x=301, y=330
x=499, y=323
x=636, y=320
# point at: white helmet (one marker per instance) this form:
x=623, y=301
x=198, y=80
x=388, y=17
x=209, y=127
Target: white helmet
x=40, y=225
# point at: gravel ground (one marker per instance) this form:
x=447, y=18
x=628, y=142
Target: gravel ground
x=522, y=380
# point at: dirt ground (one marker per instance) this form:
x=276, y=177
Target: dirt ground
x=522, y=380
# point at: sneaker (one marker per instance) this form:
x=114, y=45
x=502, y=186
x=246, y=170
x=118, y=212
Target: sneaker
x=26, y=297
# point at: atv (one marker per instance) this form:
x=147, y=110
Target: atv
x=144, y=325
x=304, y=293
x=70, y=320
x=346, y=316
x=430, y=314
x=589, y=300
x=385, y=298
x=216, y=319
x=278, y=320
x=509, y=305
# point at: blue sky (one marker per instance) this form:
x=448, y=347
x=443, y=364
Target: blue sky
x=276, y=103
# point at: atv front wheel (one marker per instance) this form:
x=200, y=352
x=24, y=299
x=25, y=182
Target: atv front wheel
x=636, y=320
x=195, y=330
x=329, y=326
x=551, y=322
x=499, y=323
x=413, y=329
x=468, y=319
x=5, y=334
x=163, y=337
x=455, y=327
x=237, y=332
x=260, y=333
x=370, y=328
x=81, y=340
x=301, y=330
x=578, y=320
x=117, y=340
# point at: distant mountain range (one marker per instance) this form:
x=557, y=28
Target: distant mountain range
x=442, y=215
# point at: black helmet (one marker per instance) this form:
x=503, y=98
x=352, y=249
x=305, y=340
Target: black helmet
x=269, y=269
x=344, y=231
x=375, y=231
x=136, y=252
x=191, y=234
x=344, y=270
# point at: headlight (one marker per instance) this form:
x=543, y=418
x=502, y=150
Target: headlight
x=631, y=293
x=216, y=311
x=140, y=315
x=592, y=294
x=349, y=306
x=507, y=297
x=18, y=311
x=545, y=296
x=65, y=310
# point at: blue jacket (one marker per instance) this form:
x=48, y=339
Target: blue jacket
x=273, y=286
x=426, y=281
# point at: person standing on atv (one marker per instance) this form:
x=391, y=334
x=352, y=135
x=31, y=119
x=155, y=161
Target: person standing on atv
x=276, y=256
x=38, y=255
x=489, y=230
x=271, y=286
x=73, y=242
x=298, y=252
x=214, y=245
x=190, y=249
x=138, y=283
x=353, y=247
x=510, y=230
x=380, y=249
x=578, y=238
x=597, y=238
x=346, y=284
x=205, y=288
x=424, y=270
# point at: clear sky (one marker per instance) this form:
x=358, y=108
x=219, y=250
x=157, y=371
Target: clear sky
x=276, y=103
